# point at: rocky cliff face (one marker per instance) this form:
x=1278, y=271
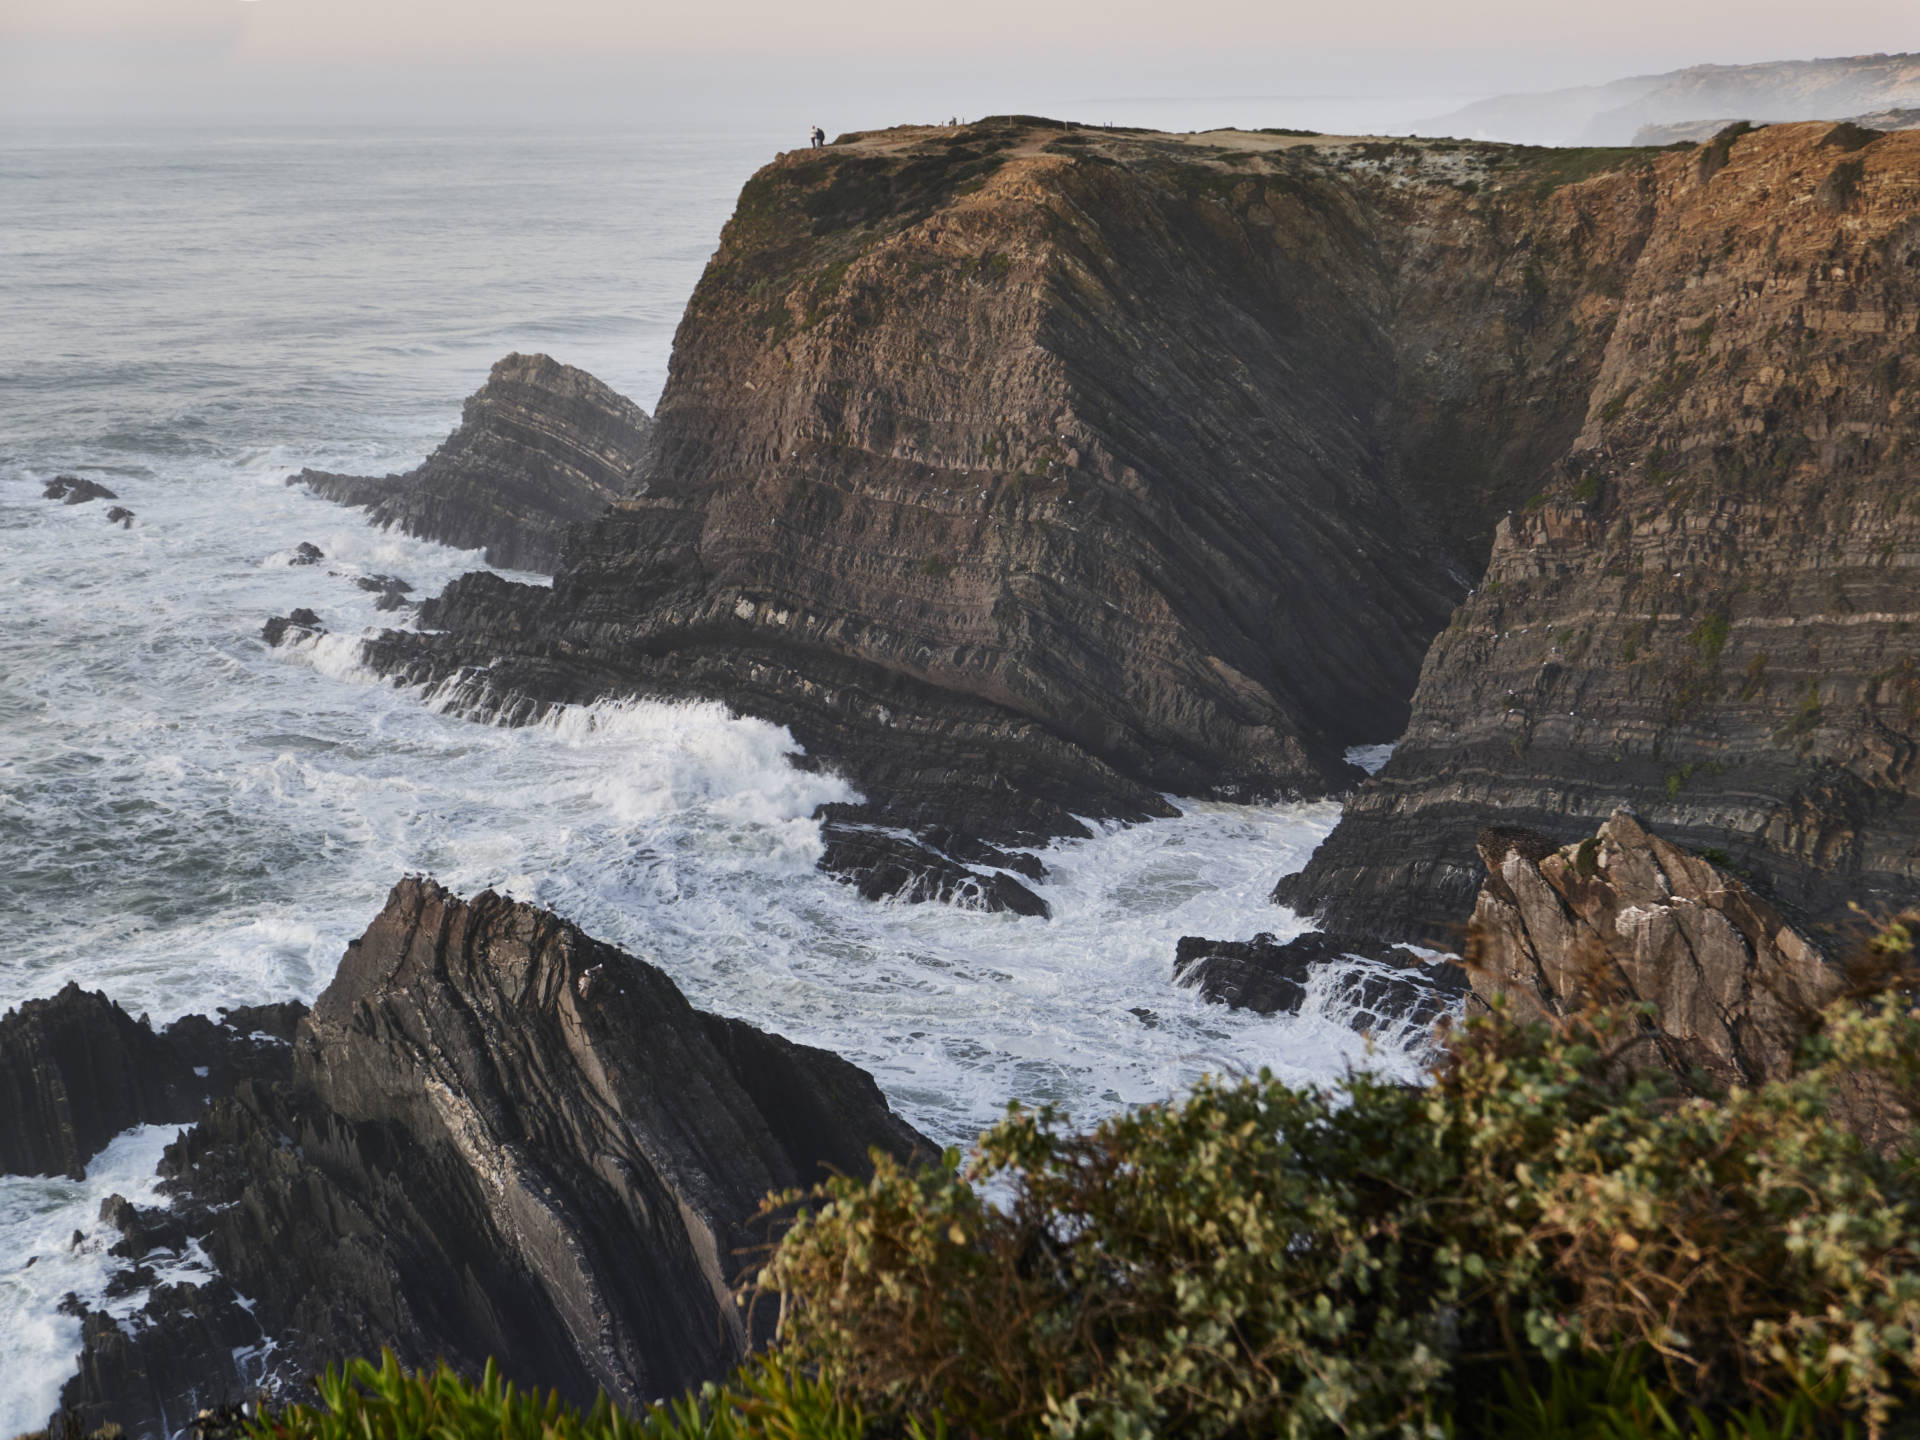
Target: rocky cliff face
x=76, y=1070
x=1708, y=612
x=540, y=446
x=1624, y=917
x=500, y=1138
x=1030, y=472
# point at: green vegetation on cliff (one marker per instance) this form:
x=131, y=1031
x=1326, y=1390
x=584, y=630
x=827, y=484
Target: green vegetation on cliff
x=1555, y=1237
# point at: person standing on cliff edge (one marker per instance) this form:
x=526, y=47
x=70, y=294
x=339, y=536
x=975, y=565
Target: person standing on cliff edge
x=817, y=136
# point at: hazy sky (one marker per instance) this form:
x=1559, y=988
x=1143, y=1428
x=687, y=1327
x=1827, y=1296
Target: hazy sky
x=851, y=63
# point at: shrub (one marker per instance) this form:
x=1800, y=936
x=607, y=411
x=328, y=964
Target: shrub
x=1378, y=1260
x=382, y=1402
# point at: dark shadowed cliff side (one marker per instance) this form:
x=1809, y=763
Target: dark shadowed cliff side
x=501, y=1138
x=540, y=446
x=1710, y=611
x=1029, y=471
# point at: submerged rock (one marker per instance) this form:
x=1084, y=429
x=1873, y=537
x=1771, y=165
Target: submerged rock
x=501, y=1138
x=1379, y=986
x=121, y=516
x=71, y=490
x=541, y=446
x=307, y=553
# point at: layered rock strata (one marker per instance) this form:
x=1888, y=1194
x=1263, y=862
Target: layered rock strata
x=1627, y=917
x=541, y=446
x=500, y=1138
x=76, y=1070
x=1030, y=472
x=1709, y=611
x=1375, y=987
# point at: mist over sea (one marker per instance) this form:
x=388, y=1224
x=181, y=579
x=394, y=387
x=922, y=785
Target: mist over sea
x=189, y=819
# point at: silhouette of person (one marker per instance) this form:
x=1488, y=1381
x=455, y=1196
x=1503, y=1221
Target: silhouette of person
x=818, y=136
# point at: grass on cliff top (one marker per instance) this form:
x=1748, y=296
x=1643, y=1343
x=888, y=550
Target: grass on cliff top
x=1553, y=1238
x=1551, y=168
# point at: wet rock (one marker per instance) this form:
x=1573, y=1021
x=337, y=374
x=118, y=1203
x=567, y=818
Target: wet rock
x=1379, y=986
x=540, y=447
x=885, y=865
x=121, y=516
x=307, y=553
x=500, y=1138
x=299, y=625
x=1625, y=917
x=76, y=1070
x=71, y=490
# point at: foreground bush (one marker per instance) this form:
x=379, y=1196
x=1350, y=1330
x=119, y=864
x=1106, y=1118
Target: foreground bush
x=369, y=1402
x=1381, y=1260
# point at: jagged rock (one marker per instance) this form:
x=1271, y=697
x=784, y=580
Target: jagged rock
x=391, y=589
x=1214, y=436
x=307, y=553
x=298, y=625
x=71, y=490
x=541, y=446
x=76, y=1070
x=1628, y=916
x=1708, y=613
x=121, y=516
x=890, y=865
x=1381, y=985
x=501, y=1138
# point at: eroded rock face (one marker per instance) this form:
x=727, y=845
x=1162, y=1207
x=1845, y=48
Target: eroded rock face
x=1380, y=986
x=1710, y=614
x=1030, y=473
x=501, y=1138
x=541, y=446
x=1627, y=916
x=76, y=1070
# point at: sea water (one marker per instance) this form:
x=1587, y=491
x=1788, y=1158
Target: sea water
x=189, y=819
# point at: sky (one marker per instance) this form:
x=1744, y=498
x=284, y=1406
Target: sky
x=850, y=64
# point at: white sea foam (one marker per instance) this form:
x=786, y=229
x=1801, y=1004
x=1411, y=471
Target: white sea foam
x=52, y=1243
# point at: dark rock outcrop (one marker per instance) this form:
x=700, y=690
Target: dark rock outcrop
x=121, y=516
x=501, y=1138
x=71, y=490
x=1625, y=917
x=307, y=553
x=1709, y=613
x=297, y=626
x=391, y=589
x=884, y=864
x=76, y=1070
x=1201, y=459
x=1381, y=986
x=541, y=446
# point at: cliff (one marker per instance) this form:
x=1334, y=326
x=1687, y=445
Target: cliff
x=500, y=1138
x=1031, y=472
x=540, y=446
x=1707, y=613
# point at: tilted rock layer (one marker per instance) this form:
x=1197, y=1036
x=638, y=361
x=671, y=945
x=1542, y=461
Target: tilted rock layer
x=1030, y=472
x=540, y=446
x=1626, y=917
x=1710, y=611
x=501, y=1139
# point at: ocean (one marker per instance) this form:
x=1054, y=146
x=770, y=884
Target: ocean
x=189, y=819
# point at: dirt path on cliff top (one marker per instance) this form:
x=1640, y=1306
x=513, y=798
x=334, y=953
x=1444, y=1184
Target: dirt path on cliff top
x=901, y=138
